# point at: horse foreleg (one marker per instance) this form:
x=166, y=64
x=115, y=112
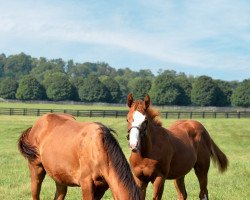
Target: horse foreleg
x=87, y=187
x=180, y=187
x=158, y=185
x=61, y=192
x=142, y=185
x=37, y=174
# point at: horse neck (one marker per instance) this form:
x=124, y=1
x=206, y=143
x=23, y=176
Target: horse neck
x=146, y=143
x=118, y=188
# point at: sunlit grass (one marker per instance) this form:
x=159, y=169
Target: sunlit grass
x=231, y=135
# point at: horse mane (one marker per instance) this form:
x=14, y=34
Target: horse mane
x=154, y=115
x=119, y=161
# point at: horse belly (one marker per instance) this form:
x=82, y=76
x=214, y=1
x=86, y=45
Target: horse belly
x=62, y=168
x=181, y=164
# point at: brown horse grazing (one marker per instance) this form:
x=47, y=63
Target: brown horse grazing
x=76, y=154
x=159, y=153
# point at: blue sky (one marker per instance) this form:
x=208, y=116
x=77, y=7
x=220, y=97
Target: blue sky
x=208, y=37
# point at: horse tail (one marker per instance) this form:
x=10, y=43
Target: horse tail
x=25, y=148
x=218, y=157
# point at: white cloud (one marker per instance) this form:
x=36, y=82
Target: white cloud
x=162, y=30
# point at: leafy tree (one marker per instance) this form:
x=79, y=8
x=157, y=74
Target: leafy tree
x=241, y=95
x=141, y=88
x=123, y=84
x=8, y=88
x=93, y=90
x=58, y=87
x=204, y=91
x=165, y=90
x=185, y=88
x=30, y=89
x=145, y=73
x=224, y=93
x=76, y=82
x=18, y=65
x=44, y=67
x=2, y=63
x=114, y=89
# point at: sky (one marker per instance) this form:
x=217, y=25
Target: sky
x=208, y=37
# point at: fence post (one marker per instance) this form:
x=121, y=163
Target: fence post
x=203, y=114
x=166, y=115
x=215, y=115
x=178, y=115
x=239, y=114
x=24, y=111
x=90, y=113
x=38, y=112
x=116, y=114
x=191, y=115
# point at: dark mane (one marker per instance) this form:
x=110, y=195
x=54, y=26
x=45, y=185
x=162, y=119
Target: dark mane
x=119, y=161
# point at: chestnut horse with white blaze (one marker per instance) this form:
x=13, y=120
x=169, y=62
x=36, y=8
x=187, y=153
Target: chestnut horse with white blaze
x=158, y=153
x=72, y=153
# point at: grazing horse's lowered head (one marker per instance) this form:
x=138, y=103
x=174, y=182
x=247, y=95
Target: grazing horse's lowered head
x=72, y=153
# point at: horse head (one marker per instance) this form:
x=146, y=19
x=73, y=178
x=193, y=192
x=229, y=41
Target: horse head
x=137, y=121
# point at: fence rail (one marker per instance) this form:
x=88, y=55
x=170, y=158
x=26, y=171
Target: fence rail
x=122, y=113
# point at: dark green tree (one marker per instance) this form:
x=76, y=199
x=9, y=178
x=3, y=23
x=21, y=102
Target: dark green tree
x=18, y=65
x=114, y=89
x=2, y=63
x=224, y=93
x=8, y=88
x=58, y=87
x=123, y=84
x=30, y=89
x=141, y=88
x=185, y=88
x=165, y=90
x=204, y=91
x=44, y=67
x=93, y=90
x=241, y=95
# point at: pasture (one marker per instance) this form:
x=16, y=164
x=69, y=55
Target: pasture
x=231, y=135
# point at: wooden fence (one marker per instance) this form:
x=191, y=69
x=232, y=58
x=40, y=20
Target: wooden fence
x=122, y=113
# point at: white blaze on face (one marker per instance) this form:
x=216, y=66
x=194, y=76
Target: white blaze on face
x=134, y=135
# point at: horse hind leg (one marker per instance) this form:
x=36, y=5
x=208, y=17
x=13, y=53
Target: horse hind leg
x=37, y=174
x=61, y=191
x=201, y=173
x=180, y=188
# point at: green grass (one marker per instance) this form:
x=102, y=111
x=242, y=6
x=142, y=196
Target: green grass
x=231, y=135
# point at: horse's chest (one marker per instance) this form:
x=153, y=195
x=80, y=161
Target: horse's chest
x=145, y=169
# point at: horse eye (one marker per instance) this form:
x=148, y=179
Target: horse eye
x=127, y=120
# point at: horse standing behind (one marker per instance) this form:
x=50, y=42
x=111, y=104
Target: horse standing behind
x=76, y=154
x=158, y=153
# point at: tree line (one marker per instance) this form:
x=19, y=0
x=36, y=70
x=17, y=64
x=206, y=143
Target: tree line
x=23, y=77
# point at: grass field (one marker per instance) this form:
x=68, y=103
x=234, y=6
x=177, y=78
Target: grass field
x=231, y=135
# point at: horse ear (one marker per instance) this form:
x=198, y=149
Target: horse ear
x=130, y=100
x=147, y=101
